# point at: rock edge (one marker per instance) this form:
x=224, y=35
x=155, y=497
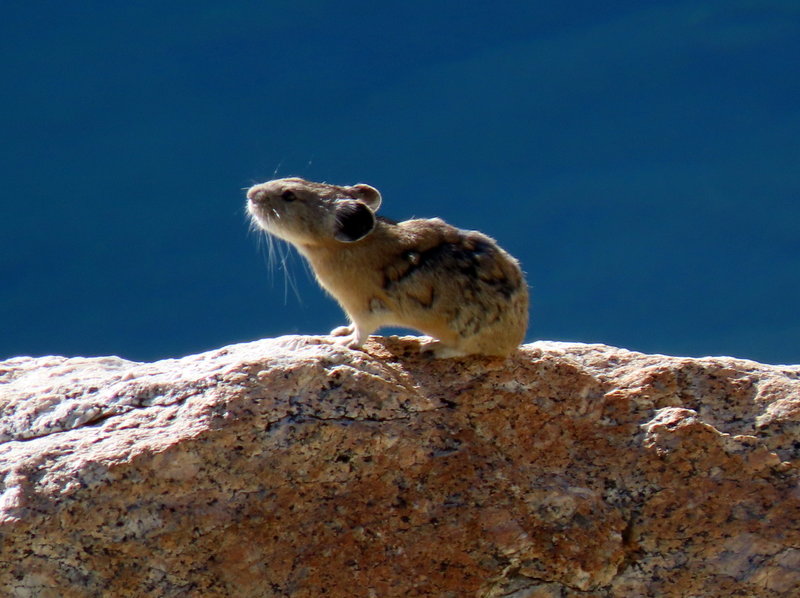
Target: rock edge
x=294, y=467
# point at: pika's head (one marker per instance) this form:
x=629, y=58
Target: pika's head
x=306, y=213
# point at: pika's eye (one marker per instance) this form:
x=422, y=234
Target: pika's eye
x=288, y=196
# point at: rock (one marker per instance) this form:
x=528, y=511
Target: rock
x=293, y=467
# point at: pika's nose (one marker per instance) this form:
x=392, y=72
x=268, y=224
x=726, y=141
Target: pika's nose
x=255, y=194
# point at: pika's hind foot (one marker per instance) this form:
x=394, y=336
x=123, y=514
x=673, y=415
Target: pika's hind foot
x=440, y=350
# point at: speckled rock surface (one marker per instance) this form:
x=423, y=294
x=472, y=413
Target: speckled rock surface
x=292, y=467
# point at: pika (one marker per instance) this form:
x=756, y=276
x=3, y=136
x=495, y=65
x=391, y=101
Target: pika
x=454, y=285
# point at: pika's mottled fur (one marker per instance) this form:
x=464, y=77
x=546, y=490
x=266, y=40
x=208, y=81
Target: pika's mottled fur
x=457, y=286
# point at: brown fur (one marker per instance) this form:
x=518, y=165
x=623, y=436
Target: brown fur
x=454, y=285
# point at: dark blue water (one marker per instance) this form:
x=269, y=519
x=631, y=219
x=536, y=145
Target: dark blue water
x=642, y=161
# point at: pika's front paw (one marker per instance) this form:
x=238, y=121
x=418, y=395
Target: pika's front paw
x=342, y=331
x=350, y=341
x=352, y=336
x=348, y=336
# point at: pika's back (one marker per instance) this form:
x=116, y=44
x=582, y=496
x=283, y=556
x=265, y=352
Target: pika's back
x=475, y=289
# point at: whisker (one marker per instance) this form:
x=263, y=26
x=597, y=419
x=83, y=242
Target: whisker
x=288, y=277
x=276, y=254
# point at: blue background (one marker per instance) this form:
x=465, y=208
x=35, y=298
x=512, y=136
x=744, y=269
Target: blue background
x=642, y=160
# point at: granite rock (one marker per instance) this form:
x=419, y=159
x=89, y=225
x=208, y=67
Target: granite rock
x=295, y=467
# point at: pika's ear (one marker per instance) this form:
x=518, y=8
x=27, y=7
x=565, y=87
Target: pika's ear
x=369, y=195
x=354, y=220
